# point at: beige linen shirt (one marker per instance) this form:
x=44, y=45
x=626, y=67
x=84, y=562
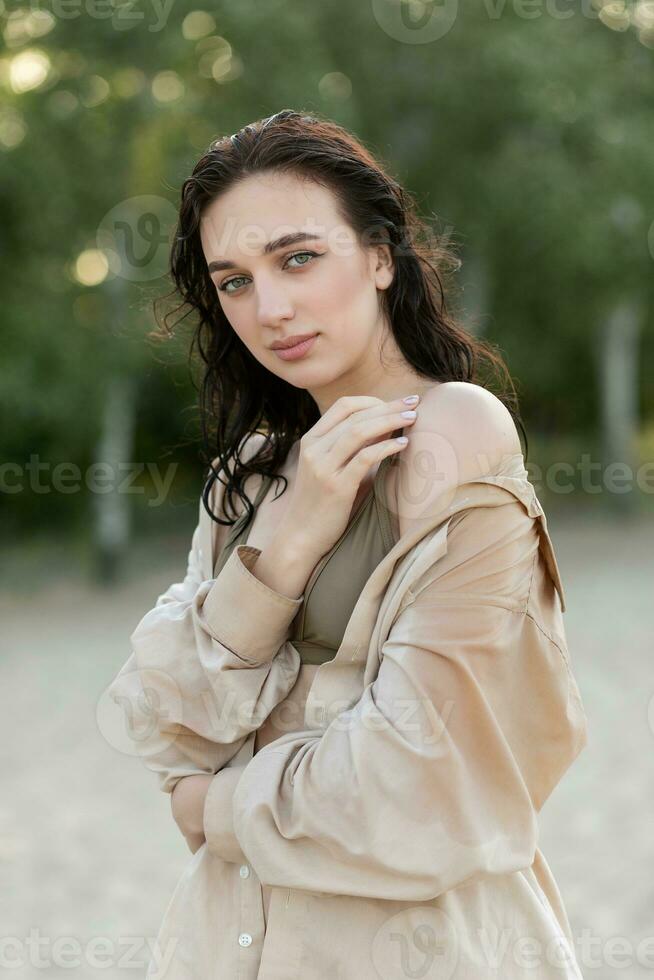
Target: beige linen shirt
x=397, y=831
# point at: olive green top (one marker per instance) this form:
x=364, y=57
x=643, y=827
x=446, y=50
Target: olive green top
x=339, y=577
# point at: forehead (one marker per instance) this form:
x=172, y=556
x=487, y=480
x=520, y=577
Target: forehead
x=263, y=207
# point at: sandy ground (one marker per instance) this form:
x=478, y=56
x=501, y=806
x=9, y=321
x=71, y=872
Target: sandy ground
x=88, y=847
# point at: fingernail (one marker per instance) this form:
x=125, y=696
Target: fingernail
x=411, y=399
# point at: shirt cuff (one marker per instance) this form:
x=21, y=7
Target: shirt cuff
x=218, y=817
x=243, y=613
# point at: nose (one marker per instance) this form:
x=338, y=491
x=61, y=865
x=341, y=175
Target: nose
x=273, y=305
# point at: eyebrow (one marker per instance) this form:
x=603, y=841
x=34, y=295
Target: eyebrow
x=275, y=245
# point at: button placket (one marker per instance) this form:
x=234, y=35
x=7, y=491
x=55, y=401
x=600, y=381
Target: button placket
x=251, y=924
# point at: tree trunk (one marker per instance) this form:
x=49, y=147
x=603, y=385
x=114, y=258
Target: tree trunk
x=619, y=401
x=111, y=508
x=475, y=274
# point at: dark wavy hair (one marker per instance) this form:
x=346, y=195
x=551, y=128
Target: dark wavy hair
x=238, y=396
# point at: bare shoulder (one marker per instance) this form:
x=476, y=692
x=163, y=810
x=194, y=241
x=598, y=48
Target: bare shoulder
x=478, y=422
x=463, y=431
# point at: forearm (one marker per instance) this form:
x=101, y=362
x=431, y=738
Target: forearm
x=209, y=661
x=207, y=668
x=285, y=566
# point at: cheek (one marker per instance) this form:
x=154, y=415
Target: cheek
x=357, y=311
x=350, y=297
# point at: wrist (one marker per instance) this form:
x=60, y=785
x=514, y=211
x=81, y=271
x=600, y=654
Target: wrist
x=285, y=565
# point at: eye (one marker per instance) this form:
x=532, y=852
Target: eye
x=295, y=255
x=228, y=282
x=223, y=287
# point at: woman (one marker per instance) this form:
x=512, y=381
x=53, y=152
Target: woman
x=364, y=687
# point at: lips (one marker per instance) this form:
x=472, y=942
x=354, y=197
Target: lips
x=291, y=341
x=297, y=351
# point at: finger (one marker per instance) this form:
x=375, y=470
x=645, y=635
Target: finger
x=341, y=410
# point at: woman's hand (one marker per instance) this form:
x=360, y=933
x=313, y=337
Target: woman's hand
x=335, y=456
x=187, y=804
x=195, y=842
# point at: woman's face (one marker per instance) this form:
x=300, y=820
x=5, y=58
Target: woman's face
x=326, y=285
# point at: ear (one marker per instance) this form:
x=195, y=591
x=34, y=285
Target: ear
x=382, y=268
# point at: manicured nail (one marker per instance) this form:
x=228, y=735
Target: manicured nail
x=411, y=399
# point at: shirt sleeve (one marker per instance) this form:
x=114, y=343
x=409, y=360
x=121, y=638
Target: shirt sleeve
x=209, y=662
x=436, y=773
x=218, y=816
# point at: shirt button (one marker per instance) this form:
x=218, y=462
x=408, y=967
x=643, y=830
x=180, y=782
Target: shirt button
x=245, y=939
x=244, y=871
